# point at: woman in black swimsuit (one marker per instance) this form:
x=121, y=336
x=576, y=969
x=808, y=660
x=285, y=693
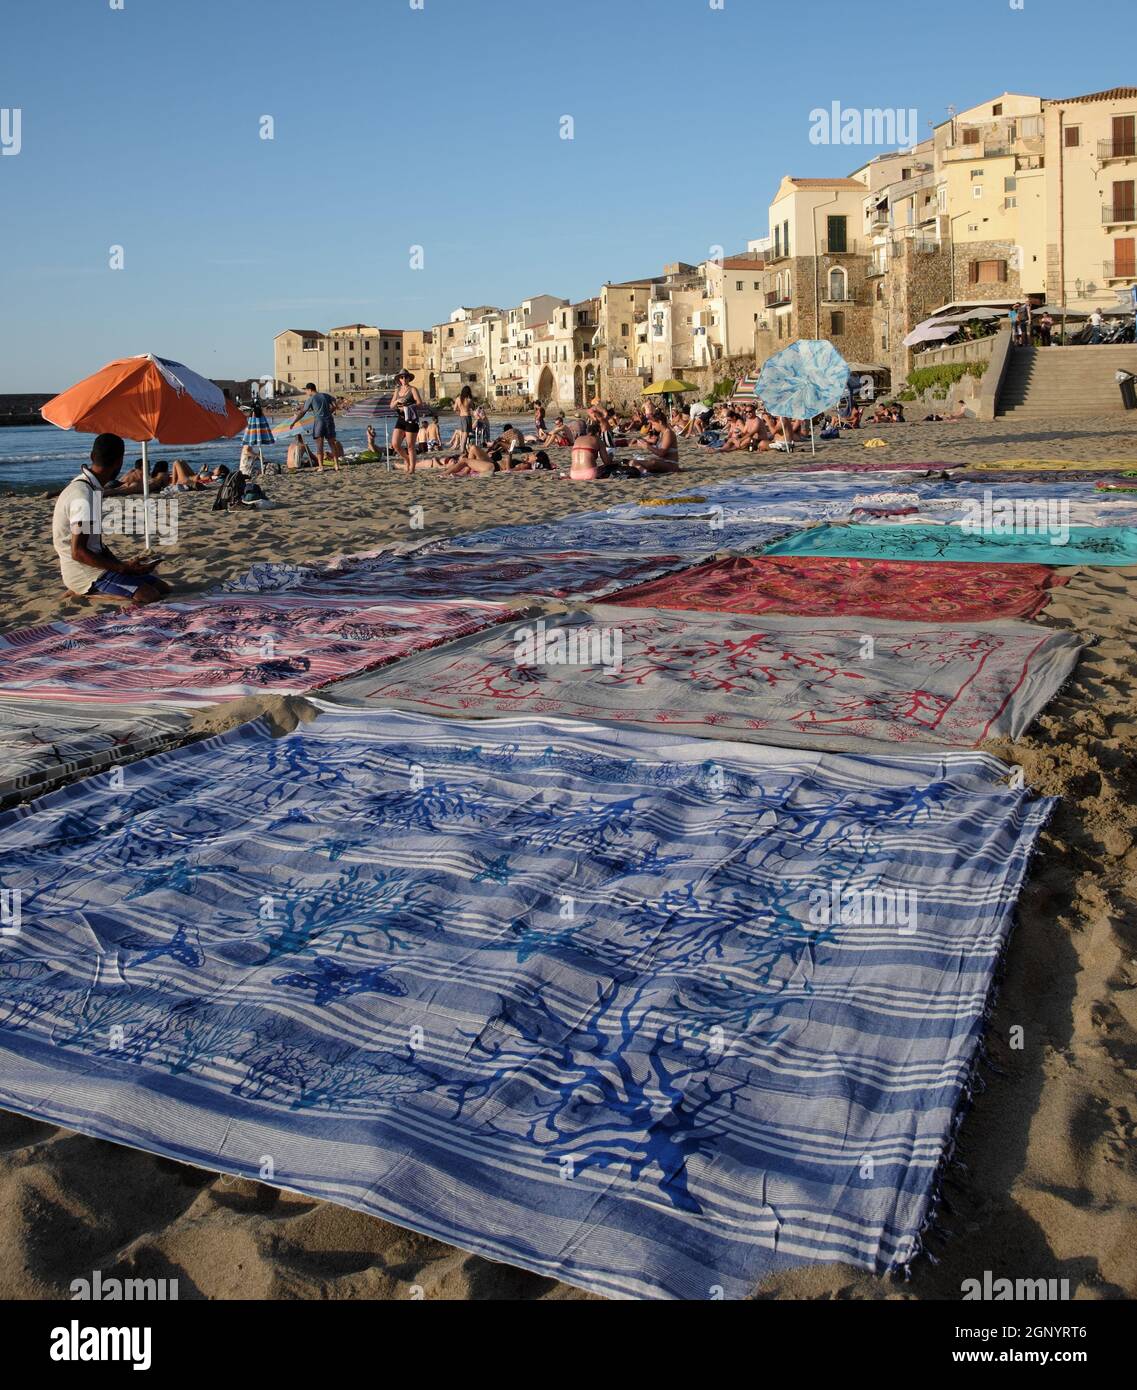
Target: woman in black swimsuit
x=406, y=402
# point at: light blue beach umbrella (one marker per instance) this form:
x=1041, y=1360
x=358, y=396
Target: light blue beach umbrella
x=803, y=379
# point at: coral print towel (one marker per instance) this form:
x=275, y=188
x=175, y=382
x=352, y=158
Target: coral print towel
x=659, y=1017
x=222, y=648
x=818, y=586
x=851, y=684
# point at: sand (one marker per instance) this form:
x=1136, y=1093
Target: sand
x=1050, y=1184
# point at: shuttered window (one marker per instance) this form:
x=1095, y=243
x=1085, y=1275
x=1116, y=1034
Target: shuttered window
x=987, y=272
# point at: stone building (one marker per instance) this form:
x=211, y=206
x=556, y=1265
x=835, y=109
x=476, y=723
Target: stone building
x=623, y=308
x=815, y=278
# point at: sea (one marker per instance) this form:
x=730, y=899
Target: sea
x=42, y=458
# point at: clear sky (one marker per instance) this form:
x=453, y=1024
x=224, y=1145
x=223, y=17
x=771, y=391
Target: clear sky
x=439, y=127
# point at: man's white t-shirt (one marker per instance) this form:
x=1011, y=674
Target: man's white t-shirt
x=79, y=507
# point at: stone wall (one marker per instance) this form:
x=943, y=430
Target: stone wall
x=966, y=252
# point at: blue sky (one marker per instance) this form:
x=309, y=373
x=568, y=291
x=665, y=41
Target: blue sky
x=437, y=127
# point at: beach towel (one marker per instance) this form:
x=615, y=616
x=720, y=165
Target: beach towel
x=818, y=586
x=205, y=650
x=1088, y=545
x=877, y=465
x=1045, y=465
x=658, y=1017
x=466, y=574
x=44, y=743
x=1046, y=509
x=853, y=684
x=655, y=531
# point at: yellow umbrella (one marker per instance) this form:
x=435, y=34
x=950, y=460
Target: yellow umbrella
x=671, y=387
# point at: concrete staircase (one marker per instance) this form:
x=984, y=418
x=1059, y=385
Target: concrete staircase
x=1059, y=381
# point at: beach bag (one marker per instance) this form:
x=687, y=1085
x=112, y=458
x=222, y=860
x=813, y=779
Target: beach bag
x=232, y=490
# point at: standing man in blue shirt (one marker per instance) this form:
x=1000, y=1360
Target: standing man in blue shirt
x=323, y=409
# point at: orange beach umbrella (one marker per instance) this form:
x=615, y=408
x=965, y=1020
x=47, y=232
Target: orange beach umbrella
x=147, y=398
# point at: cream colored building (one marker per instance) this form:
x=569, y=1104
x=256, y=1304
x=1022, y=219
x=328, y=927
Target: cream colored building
x=622, y=371
x=344, y=360
x=816, y=269
x=1091, y=212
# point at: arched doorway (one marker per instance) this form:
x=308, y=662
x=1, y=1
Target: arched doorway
x=578, y=387
x=547, y=387
x=432, y=388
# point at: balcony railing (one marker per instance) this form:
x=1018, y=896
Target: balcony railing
x=1120, y=270
x=1123, y=212
x=1118, y=149
x=781, y=253
x=846, y=247
x=918, y=245
x=776, y=297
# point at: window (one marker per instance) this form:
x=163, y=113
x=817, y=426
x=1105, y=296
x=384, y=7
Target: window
x=977, y=190
x=756, y=285
x=786, y=232
x=623, y=330
x=1073, y=136
x=836, y=233
x=970, y=135
x=836, y=324
x=975, y=173
x=1123, y=201
x=777, y=242
x=1124, y=136
x=1124, y=258
x=1011, y=202
x=1010, y=184
x=738, y=284
x=337, y=378
x=986, y=272
x=309, y=345
x=997, y=109
x=838, y=283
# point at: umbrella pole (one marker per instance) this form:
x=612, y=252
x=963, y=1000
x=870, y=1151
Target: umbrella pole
x=387, y=443
x=146, y=489
x=812, y=441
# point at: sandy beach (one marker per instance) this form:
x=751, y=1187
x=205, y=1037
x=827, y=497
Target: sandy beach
x=1050, y=1183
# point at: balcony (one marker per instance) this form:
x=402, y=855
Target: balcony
x=1117, y=149
x=775, y=297
x=918, y=245
x=1120, y=270
x=778, y=255
x=1123, y=215
x=846, y=247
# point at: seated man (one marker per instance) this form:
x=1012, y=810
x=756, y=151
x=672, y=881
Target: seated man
x=85, y=562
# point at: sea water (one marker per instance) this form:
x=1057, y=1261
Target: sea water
x=41, y=458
